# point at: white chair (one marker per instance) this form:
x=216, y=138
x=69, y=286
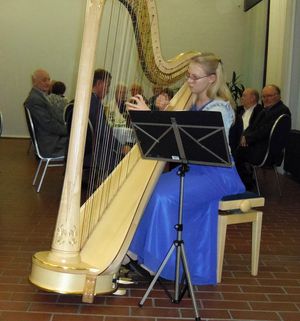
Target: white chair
x=237, y=209
x=49, y=161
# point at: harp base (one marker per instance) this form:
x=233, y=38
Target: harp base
x=80, y=279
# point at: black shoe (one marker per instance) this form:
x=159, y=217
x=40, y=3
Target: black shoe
x=133, y=266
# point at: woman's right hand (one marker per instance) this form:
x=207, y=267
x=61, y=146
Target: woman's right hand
x=137, y=102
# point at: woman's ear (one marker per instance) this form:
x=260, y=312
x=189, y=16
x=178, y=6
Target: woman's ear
x=212, y=78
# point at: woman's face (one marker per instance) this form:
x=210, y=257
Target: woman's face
x=198, y=80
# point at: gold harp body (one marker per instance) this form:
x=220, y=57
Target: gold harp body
x=86, y=259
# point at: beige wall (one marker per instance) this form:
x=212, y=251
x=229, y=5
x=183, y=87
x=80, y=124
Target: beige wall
x=43, y=33
x=283, y=66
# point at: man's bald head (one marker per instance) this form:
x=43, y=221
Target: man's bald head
x=41, y=80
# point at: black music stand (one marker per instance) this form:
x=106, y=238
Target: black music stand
x=181, y=137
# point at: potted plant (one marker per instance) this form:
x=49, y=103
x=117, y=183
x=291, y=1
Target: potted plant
x=236, y=88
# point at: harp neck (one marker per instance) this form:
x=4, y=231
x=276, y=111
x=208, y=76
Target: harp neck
x=145, y=23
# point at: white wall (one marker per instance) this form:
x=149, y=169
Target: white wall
x=47, y=34
x=35, y=34
x=254, y=45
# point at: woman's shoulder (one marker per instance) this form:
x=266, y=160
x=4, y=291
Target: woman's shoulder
x=225, y=108
x=215, y=103
x=219, y=105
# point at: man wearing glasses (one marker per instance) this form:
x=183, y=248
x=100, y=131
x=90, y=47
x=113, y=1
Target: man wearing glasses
x=254, y=142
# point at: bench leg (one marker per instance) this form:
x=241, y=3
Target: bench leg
x=256, y=235
x=222, y=228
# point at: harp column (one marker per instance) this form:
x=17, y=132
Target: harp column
x=66, y=241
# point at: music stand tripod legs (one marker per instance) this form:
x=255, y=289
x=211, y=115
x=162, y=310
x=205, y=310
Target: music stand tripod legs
x=177, y=245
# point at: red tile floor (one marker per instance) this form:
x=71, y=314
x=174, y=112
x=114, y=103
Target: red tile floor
x=27, y=220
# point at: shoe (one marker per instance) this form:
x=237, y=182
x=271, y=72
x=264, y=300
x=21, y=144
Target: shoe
x=134, y=266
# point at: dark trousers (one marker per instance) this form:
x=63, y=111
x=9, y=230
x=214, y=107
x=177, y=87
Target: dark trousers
x=244, y=158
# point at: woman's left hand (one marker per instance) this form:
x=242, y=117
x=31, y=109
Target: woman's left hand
x=137, y=102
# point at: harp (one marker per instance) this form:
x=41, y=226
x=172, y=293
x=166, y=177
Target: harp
x=85, y=258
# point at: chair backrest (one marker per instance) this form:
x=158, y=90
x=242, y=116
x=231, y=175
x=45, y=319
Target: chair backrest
x=68, y=114
x=277, y=141
x=32, y=131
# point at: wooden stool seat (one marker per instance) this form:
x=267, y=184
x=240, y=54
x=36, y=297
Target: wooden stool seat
x=236, y=209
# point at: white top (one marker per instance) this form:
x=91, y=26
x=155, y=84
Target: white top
x=246, y=116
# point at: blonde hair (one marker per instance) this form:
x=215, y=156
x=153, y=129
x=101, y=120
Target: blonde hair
x=212, y=64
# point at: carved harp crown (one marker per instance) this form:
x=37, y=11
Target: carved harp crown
x=91, y=240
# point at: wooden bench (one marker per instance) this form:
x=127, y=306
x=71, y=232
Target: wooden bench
x=237, y=209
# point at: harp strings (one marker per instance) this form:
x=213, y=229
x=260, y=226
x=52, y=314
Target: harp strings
x=114, y=61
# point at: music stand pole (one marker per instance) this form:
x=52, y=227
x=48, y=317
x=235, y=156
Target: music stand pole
x=177, y=245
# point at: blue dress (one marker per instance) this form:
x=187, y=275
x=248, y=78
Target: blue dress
x=204, y=186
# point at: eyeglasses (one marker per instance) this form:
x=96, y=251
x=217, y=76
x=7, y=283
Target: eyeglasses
x=194, y=78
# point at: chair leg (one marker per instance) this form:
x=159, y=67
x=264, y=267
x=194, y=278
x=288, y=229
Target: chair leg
x=277, y=179
x=222, y=228
x=43, y=175
x=256, y=236
x=37, y=172
x=256, y=180
x=29, y=147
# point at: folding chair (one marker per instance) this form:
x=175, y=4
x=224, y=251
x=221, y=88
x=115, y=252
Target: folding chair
x=49, y=161
x=276, y=147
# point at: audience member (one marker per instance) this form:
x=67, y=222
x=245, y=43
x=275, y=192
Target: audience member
x=245, y=116
x=254, y=141
x=162, y=100
x=136, y=89
x=102, y=150
x=50, y=128
x=57, y=98
x=58, y=88
x=156, y=89
x=116, y=112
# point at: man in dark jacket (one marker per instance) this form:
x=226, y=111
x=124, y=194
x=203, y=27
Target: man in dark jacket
x=245, y=116
x=254, y=141
x=102, y=150
x=50, y=130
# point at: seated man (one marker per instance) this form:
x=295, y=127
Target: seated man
x=245, y=116
x=254, y=141
x=102, y=150
x=51, y=132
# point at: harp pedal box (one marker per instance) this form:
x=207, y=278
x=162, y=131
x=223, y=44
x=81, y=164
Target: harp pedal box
x=123, y=281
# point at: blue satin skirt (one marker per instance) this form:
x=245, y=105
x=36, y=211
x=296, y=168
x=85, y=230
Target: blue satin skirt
x=203, y=186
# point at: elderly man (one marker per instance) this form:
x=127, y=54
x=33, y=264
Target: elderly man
x=254, y=141
x=245, y=116
x=250, y=107
x=51, y=132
